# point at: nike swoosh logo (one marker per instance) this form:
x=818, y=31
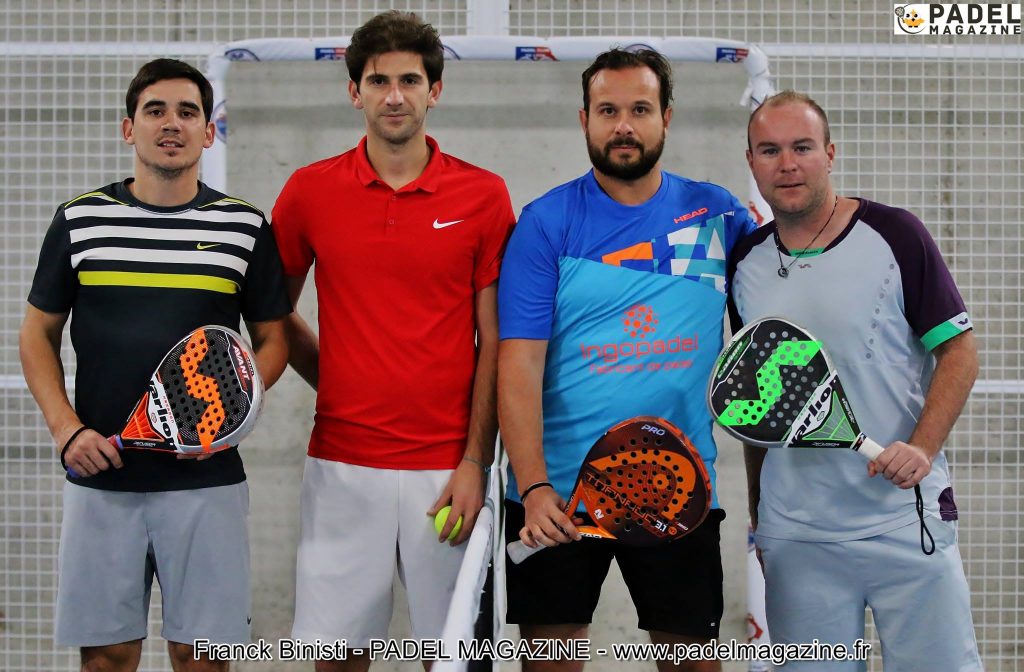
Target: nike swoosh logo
x=441, y=225
x=200, y=246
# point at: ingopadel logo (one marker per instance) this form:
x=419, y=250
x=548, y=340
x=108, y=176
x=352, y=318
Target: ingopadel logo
x=640, y=321
x=640, y=324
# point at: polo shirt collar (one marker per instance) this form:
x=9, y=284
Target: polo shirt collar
x=427, y=181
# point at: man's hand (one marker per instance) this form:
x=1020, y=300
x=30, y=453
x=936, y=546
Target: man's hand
x=198, y=457
x=90, y=453
x=465, y=493
x=546, y=521
x=904, y=464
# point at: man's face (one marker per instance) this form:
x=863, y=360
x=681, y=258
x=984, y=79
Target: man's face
x=625, y=127
x=789, y=158
x=395, y=95
x=169, y=131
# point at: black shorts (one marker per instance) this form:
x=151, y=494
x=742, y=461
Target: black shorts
x=676, y=587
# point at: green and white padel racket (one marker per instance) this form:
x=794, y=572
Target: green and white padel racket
x=774, y=385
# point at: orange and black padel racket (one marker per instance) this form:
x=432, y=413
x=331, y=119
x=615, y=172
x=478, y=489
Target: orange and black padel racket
x=204, y=396
x=643, y=483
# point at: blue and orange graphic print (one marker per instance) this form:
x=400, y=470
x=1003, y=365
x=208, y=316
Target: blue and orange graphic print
x=630, y=300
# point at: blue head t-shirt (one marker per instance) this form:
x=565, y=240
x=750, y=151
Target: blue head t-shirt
x=631, y=302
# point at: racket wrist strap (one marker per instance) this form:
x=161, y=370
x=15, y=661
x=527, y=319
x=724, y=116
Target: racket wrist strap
x=67, y=444
x=538, y=484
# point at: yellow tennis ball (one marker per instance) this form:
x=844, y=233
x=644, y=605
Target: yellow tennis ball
x=442, y=517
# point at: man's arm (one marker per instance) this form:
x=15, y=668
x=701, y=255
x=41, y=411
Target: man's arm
x=270, y=346
x=465, y=488
x=303, y=344
x=39, y=346
x=520, y=410
x=956, y=369
x=753, y=458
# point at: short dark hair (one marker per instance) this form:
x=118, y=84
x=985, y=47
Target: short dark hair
x=620, y=59
x=168, y=68
x=395, y=31
x=790, y=96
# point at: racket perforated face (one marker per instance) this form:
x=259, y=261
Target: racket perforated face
x=207, y=395
x=645, y=483
x=765, y=376
x=204, y=396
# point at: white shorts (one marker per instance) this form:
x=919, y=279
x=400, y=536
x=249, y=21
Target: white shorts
x=921, y=604
x=358, y=525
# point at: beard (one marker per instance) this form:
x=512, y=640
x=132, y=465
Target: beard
x=168, y=173
x=627, y=171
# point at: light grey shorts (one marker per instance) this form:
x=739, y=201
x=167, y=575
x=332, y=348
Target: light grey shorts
x=921, y=603
x=196, y=542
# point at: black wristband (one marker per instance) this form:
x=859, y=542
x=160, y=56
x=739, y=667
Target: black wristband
x=64, y=450
x=538, y=484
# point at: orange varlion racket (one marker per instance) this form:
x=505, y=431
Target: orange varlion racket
x=205, y=396
x=643, y=483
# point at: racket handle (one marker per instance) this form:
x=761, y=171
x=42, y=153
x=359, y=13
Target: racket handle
x=518, y=551
x=869, y=449
x=114, y=441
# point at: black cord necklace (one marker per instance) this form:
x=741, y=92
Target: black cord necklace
x=784, y=270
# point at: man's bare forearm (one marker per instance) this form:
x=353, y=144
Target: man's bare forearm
x=39, y=348
x=753, y=459
x=956, y=370
x=270, y=346
x=483, y=415
x=520, y=407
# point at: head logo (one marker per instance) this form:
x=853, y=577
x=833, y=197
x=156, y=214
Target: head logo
x=690, y=215
x=639, y=321
x=909, y=19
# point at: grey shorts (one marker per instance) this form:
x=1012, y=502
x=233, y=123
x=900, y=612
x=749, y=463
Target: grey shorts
x=196, y=543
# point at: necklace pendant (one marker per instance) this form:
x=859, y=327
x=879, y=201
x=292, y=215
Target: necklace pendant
x=783, y=272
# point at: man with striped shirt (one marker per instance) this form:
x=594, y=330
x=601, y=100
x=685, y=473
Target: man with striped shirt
x=137, y=265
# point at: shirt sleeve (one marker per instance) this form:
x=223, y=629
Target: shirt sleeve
x=529, y=280
x=55, y=284
x=265, y=296
x=290, y=216
x=931, y=301
x=494, y=237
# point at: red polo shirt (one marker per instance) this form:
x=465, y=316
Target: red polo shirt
x=396, y=276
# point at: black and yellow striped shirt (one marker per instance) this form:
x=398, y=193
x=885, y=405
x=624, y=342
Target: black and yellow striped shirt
x=136, y=278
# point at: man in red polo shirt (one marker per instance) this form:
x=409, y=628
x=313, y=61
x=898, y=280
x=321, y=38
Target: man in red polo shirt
x=407, y=243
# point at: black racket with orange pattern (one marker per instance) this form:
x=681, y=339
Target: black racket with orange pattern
x=643, y=483
x=204, y=396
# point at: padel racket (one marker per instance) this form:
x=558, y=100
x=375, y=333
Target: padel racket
x=774, y=385
x=203, y=397
x=643, y=483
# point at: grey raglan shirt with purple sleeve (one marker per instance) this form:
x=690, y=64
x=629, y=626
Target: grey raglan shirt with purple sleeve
x=880, y=298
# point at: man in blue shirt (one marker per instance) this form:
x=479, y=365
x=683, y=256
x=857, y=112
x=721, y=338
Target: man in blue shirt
x=611, y=305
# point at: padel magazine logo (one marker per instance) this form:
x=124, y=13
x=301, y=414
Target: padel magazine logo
x=957, y=19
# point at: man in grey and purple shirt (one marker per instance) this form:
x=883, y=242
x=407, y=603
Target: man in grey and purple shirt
x=835, y=535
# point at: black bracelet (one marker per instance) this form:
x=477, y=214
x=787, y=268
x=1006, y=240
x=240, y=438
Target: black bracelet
x=538, y=484
x=64, y=450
